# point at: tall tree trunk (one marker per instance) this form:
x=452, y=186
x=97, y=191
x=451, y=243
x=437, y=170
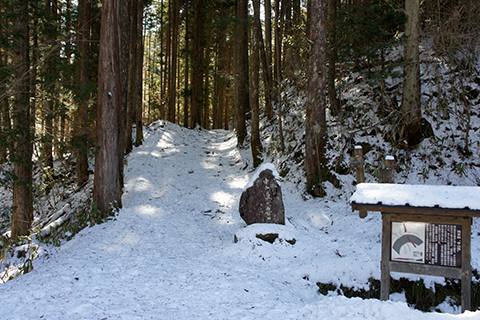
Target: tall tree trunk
x=411, y=108
x=267, y=60
x=197, y=63
x=5, y=123
x=278, y=42
x=84, y=94
x=60, y=119
x=241, y=70
x=61, y=135
x=132, y=79
x=267, y=75
x=125, y=29
x=223, y=58
x=186, y=97
x=172, y=90
x=22, y=201
x=216, y=87
x=33, y=55
x=215, y=105
x=50, y=85
x=106, y=192
x=316, y=127
x=139, y=74
x=332, y=57
x=149, y=74
x=268, y=33
x=286, y=9
x=164, y=66
x=279, y=13
x=3, y=127
x=228, y=93
x=288, y=32
x=168, y=58
x=179, y=84
x=220, y=63
x=256, y=144
x=206, y=71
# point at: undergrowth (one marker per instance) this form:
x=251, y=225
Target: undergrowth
x=85, y=215
x=17, y=258
x=416, y=293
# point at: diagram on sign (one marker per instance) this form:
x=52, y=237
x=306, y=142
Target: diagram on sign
x=408, y=242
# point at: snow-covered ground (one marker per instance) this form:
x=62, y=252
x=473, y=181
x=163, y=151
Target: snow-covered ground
x=170, y=252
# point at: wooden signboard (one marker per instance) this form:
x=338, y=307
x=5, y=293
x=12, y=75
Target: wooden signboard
x=437, y=244
x=432, y=249
x=420, y=236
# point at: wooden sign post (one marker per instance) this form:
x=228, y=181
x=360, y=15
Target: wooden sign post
x=358, y=164
x=421, y=233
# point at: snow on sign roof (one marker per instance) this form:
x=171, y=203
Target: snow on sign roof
x=448, y=197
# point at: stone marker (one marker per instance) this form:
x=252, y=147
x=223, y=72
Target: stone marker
x=262, y=202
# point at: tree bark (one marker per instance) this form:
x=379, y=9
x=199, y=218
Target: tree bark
x=84, y=94
x=172, y=90
x=332, y=57
x=3, y=128
x=49, y=76
x=125, y=29
x=22, y=201
x=149, y=74
x=267, y=74
x=139, y=74
x=5, y=123
x=60, y=119
x=241, y=70
x=165, y=47
x=267, y=60
x=279, y=13
x=316, y=127
x=106, y=193
x=5, y=148
x=206, y=122
x=278, y=42
x=197, y=63
x=132, y=79
x=186, y=96
x=221, y=74
x=287, y=32
x=411, y=107
x=228, y=94
x=268, y=32
x=50, y=85
x=256, y=144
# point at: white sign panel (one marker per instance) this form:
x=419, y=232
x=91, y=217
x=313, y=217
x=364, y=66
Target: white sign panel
x=408, y=242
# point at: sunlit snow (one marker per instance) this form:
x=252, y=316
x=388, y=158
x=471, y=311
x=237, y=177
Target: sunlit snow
x=170, y=252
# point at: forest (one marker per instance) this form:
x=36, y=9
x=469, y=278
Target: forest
x=80, y=80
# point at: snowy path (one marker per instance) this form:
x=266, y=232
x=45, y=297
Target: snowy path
x=170, y=253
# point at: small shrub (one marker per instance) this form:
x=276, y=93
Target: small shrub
x=417, y=294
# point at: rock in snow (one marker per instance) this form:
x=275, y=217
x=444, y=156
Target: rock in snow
x=262, y=202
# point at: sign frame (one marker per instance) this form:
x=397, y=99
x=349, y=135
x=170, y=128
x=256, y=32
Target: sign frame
x=387, y=265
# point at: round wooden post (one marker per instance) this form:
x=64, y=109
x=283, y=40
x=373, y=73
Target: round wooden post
x=387, y=175
x=360, y=172
x=359, y=164
x=389, y=162
x=466, y=265
x=385, y=262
